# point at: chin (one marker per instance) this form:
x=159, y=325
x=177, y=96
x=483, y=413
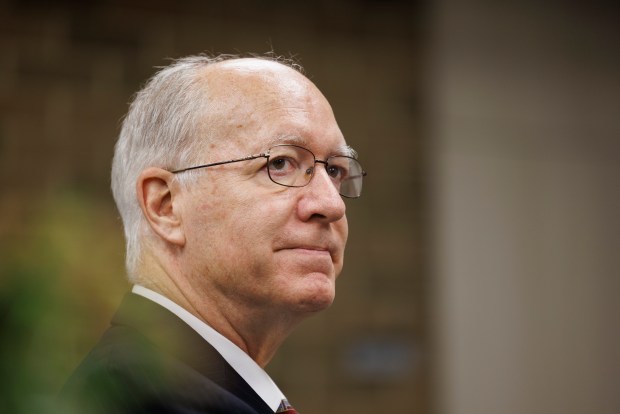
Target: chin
x=318, y=295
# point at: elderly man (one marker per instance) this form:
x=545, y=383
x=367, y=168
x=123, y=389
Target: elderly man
x=229, y=175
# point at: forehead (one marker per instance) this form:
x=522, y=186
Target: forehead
x=257, y=104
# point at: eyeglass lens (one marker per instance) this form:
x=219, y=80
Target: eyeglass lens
x=293, y=166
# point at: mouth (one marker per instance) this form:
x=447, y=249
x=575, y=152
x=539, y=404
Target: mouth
x=309, y=249
x=317, y=257
x=319, y=247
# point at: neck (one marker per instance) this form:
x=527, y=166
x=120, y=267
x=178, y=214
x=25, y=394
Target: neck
x=259, y=332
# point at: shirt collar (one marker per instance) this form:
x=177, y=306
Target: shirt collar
x=241, y=362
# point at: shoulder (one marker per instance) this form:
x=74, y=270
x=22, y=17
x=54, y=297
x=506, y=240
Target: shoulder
x=126, y=373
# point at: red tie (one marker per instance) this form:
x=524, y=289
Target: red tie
x=285, y=408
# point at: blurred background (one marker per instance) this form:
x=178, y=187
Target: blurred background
x=482, y=269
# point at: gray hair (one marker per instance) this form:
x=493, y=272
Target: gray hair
x=160, y=130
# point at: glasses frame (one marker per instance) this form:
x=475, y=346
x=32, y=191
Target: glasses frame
x=267, y=155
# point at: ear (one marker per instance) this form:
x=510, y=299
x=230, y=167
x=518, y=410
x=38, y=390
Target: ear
x=158, y=197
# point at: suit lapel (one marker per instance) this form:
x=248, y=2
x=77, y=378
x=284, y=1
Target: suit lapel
x=173, y=336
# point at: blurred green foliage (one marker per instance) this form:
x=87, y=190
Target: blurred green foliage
x=61, y=277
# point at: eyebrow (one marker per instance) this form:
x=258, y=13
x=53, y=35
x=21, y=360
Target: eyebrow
x=344, y=149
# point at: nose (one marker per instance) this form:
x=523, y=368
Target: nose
x=321, y=199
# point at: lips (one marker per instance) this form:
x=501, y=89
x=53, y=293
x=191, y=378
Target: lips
x=314, y=248
x=310, y=248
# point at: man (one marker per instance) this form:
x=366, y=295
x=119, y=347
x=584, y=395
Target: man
x=229, y=175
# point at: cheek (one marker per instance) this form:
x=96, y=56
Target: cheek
x=241, y=224
x=244, y=225
x=343, y=229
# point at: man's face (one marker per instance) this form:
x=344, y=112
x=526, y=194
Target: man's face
x=250, y=242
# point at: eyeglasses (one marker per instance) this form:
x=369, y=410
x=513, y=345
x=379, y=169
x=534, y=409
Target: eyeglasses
x=293, y=166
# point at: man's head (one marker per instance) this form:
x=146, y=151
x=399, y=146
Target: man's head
x=228, y=232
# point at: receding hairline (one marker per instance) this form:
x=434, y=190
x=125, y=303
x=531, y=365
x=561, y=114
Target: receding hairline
x=255, y=64
x=227, y=82
x=244, y=69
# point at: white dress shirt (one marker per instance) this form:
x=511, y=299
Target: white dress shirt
x=241, y=362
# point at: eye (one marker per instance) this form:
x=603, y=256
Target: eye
x=282, y=165
x=338, y=169
x=334, y=171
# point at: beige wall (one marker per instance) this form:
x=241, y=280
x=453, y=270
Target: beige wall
x=526, y=201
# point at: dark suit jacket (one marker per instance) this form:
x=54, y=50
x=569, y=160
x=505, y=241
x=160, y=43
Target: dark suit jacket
x=150, y=361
